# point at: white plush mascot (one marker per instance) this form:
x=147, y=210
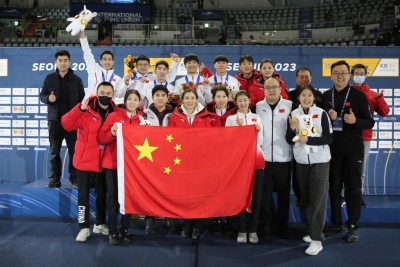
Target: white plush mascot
x=144, y=122
x=80, y=21
x=307, y=128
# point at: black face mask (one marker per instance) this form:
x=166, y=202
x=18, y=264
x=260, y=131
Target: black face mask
x=104, y=100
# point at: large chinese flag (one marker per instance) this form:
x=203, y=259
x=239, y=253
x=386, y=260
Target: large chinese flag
x=186, y=173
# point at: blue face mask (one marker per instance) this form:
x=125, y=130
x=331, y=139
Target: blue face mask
x=358, y=79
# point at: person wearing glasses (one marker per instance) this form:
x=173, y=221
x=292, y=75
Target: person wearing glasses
x=274, y=111
x=267, y=70
x=141, y=74
x=377, y=103
x=350, y=113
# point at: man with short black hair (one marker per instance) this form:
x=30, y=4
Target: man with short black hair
x=221, y=76
x=61, y=91
x=274, y=111
x=99, y=73
x=142, y=65
x=161, y=71
x=304, y=76
x=88, y=119
x=247, y=74
x=158, y=114
x=191, y=63
x=349, y=111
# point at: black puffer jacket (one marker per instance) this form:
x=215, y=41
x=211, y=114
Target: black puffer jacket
x=52, y=83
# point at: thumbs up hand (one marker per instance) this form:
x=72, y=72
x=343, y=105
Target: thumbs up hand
x=350, y=118
x=114, y=129
x=52, y=97
x=293, y=122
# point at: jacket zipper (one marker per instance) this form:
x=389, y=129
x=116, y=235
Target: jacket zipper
x=272, y=139
x=99, y=167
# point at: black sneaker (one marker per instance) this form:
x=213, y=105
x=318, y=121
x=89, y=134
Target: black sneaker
x=114, y=239
x=54, y=183
x=196, y=233
x=150, y=228
x=170, y=223
x=264, y=231
x=217, y=227
x=285, y=233
x=333, y=229
x=352, y=235
x=74, y=185
x=227, y=227
x=126, y=236
x=186, y=232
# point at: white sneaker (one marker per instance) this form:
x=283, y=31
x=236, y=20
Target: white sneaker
x=307, y=238
x=83, y=234
x=253, y=238
x=242, y=238
x=100, y=229
x=314, y=248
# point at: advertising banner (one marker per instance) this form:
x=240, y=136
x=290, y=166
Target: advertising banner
x=377, y=67
x=116, y=14
x=24, y=145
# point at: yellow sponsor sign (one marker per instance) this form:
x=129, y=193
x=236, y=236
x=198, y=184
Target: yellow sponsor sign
x=3, y=67
x=377, y=67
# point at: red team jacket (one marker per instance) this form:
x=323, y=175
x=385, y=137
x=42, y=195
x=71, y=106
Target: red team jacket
x=377, y=104
x=202, y=119
x=256, y=91
x=88, y=149
x=230, y=110
x=245, y=84
x=110, y=153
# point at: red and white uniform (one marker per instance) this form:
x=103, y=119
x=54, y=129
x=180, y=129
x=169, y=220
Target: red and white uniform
x=109, y=160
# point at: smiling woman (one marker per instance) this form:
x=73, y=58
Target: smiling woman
x=192, y=115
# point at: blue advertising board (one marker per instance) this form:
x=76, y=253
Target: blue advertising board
x=24, y=147
x=116, y=14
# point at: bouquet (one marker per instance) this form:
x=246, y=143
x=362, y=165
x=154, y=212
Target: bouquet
x=217, y=85
x=189, y=85
x=130, y=63
x=174, y=100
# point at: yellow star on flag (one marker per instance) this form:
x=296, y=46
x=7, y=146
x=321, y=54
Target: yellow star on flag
x=145, y=150
x=177, y=147
x=167, y=170
x=169, y=138
x=177, y=161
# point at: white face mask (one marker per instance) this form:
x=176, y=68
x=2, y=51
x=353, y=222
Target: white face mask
x=358, y=79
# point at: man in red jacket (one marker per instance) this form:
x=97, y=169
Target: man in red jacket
x=247, y=73
x=87, y=119
x=377, y=104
